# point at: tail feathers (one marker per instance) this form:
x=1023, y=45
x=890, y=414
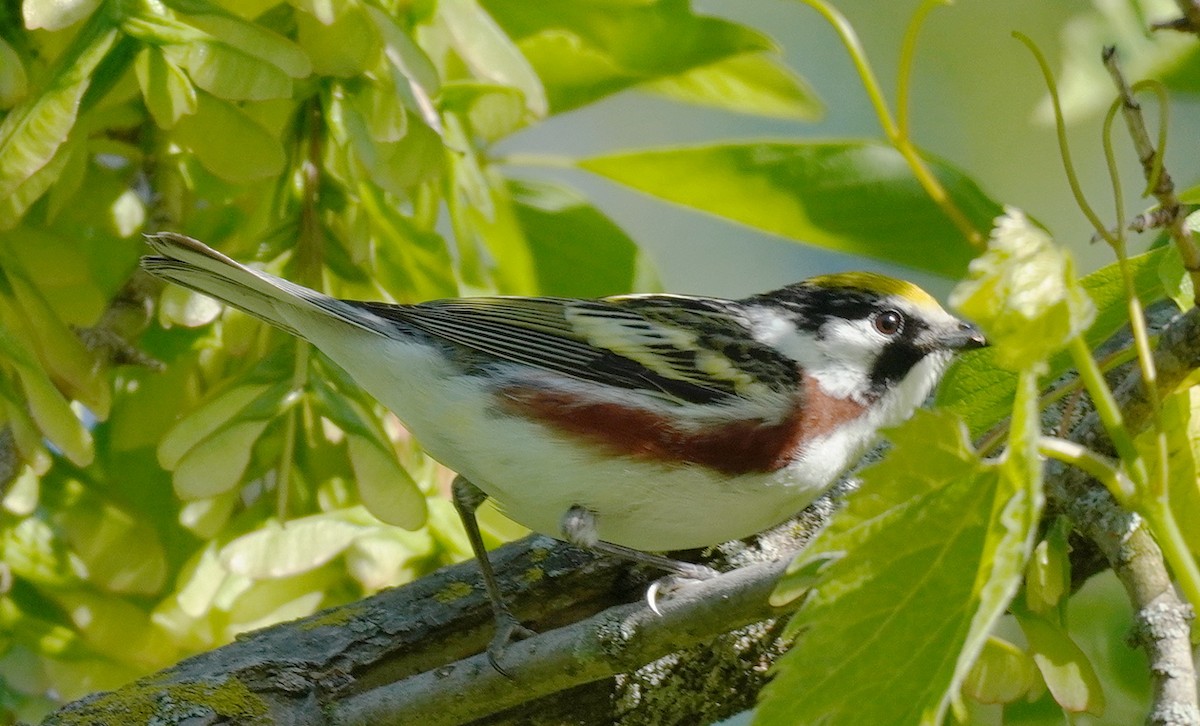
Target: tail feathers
x=192, y=264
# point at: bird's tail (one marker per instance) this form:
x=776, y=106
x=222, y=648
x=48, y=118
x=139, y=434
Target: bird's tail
x=193, y=264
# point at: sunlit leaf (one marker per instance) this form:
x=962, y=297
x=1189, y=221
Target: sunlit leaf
x=33, y=551
x=1066, y=669
x=387, y=557
x=345, y=47
x=417, y=81
x=168, y=92
x=1048, y=575
x=1024, y=293
x=586, y=51
x=979, y=389
x=936, y=557
x=56, y=14
x=118, y=627
x=752, y=83
x=214, y=413
x=32, y=132
x=579, y=251
x=1002, y=673
x=257, y=155
x=254, y=40
x=387, y=490
x=14, y=82
x=122, y=553
x=857, y=197
x=282, y=550
x=490, y=53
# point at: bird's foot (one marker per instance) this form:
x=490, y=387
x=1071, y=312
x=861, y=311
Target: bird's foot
x=684, y=573
x=508, y=630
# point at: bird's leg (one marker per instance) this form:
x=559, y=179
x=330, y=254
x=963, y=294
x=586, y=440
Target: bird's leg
x=579, y=528
x=467, y=498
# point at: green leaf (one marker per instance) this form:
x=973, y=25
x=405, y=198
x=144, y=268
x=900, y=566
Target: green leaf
x=32, y=132
x=1024, y=294
x=382, y=114
x=343, y=48
x=396, y=166
x=121, y=552
x=55, y=418
x=412, y=263
x=74, y=369
x=578, y=251
x=289, y=549
x=217, y=463
x=931, y=559
x=492, y=111
x=33, y=552
x=168, y=92
x=388, y=557
x=387, y=490
x=252, y=39
x=256, y=155
x=857, y=197
x=586, y=51
x=14, y=82
x=753, y=83
x=56, y=15
x=980, y=390
x=416, y=78
x=1181, y=425
x=1048, y=575
x=219, y=410
x=490, y=53
x=229, y=73
x=180, y=306
x=1002, y=674
x=1066, y=669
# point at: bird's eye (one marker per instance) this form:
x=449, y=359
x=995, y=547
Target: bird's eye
x=889, y=322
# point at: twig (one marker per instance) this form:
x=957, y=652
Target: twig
x=615, y=641
x=1164, y=187
x=1188, y=23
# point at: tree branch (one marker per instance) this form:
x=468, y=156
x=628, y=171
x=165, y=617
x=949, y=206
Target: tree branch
x=1162, y=619
x=415, y=649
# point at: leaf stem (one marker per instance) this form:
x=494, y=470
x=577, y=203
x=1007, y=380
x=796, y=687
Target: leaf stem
x=908, y=49
x=1110, y=416
x=896, y=135
x=1098, y=467
x=1060, y=127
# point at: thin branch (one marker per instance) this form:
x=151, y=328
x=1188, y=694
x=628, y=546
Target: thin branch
x=1152, y=164
x=617, y=640
x=1189, y=22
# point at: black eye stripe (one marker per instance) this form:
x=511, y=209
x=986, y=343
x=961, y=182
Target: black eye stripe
x=894, y=362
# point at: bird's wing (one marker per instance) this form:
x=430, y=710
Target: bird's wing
x=687, y=349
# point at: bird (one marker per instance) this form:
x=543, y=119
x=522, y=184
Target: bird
x=631, y=425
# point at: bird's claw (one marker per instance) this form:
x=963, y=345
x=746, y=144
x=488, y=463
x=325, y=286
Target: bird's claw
x=688, y=573
x=508, y=630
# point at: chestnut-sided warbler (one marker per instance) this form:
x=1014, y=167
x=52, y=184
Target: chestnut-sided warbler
x=626, y=424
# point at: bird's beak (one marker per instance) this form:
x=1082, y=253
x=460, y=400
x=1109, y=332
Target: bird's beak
x=963, y=336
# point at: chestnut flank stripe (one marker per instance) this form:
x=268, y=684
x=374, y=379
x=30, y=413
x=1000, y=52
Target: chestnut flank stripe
x=733, y=448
